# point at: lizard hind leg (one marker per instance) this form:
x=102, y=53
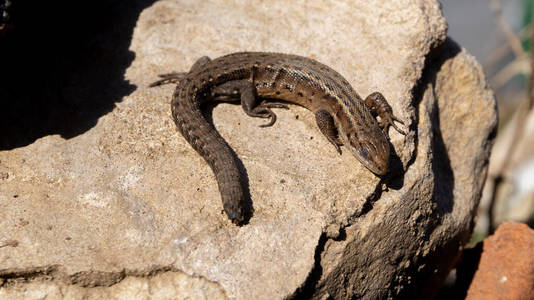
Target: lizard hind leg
x=265, y=107
x=168, y=78
x=246, y=92
x=175, y=77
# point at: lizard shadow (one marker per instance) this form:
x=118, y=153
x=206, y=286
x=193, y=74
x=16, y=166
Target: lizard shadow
x=444, y=179
x=207, y=112
x=62, y=77
x=395, y=177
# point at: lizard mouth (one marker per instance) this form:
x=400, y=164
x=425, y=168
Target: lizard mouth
x=378, y=168
x=373, y=157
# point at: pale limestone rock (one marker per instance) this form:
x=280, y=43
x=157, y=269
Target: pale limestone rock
x=166, y=285
x=130, y=197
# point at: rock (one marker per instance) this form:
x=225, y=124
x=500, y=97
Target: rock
x=164, y=285
x=505, y=268
x=443, y=173
x=129, y=199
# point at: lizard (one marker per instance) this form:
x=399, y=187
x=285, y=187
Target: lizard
x=257, y=78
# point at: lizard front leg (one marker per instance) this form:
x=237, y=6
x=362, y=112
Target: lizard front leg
x=379, y=103
x=326, y=124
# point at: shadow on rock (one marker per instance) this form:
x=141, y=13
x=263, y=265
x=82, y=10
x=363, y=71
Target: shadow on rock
x=63, y=66
x=441, y=164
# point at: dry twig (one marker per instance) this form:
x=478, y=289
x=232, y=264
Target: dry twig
x=522, y=110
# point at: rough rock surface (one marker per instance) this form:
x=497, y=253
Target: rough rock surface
x=129, y=200
x=159, y=285
x=506, y=267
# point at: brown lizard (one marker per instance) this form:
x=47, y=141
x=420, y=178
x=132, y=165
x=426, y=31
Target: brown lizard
x=251, y=77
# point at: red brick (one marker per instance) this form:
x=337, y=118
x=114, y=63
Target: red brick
x=506, y=268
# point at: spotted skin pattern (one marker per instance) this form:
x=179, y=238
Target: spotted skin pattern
x=251, y=78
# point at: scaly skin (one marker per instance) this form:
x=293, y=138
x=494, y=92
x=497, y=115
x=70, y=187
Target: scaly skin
x=341, y=115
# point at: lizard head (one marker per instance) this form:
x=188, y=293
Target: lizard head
x=370, y=146
x=372, y=153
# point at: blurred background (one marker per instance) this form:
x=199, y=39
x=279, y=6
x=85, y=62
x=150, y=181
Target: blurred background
x=498, y=34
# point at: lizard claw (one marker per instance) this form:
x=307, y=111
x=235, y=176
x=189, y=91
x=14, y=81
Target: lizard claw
x=270, y=115
x=336, y=142
x=389, y=121
x=338, y=148
x=265, y=107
